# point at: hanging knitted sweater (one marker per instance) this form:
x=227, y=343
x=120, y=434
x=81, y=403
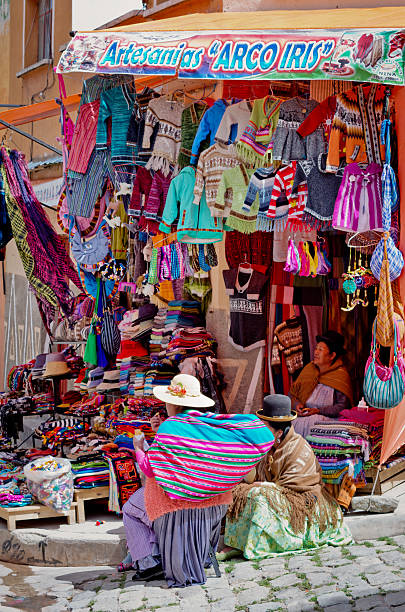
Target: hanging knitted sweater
x=287, y=144
x=236, y=114
x=167, y=115
x=283, y=184
x=211, y=165
x=261, y=184
x=236, y=181
x=190, y=120
x=356, y=127
x=254, y=146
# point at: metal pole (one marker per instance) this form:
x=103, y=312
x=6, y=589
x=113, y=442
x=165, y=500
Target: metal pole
x=37, y=140
x=11, y=105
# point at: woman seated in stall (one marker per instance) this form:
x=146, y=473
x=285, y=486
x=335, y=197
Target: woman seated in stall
x=284, y=507
x=323, y=389
x=191, y=467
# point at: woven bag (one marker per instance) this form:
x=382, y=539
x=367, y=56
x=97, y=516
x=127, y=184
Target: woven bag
x=385, y=328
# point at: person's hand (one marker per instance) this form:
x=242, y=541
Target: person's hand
x=138, y=442
x=299, y=408
x=309, y=411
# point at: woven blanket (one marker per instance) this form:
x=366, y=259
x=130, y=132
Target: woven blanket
x=196, y=455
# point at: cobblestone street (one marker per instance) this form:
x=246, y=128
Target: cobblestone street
x=366, y=576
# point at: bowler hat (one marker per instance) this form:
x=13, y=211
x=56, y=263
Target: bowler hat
x=276, y=408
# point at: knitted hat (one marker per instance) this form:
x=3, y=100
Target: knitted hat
x=184, y=390
x=56, y=365
x=276, y=408
x=111, y=381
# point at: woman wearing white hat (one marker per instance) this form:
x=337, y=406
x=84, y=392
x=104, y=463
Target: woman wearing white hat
x=191, y=468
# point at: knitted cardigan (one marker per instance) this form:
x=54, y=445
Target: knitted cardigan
x=167, y=115
x=287, y=144
x=236, y=181
x=211, y=165
x=238, y=114
x=254, y=146
x=190, y=120
x=158, y=503
x=356, y=127
x=209, y=125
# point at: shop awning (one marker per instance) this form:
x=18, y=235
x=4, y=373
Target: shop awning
x=349, y=44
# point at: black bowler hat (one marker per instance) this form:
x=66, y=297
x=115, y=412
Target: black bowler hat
x=276, y=408
x=334, y=341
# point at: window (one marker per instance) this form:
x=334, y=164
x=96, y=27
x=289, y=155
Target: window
x=38, y=39
x=44, y=29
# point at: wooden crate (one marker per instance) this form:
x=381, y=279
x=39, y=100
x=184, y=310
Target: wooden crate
x=386, y=479
x=82, y=495
x=26, y=513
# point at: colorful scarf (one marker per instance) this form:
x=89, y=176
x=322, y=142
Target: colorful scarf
x=196, y=455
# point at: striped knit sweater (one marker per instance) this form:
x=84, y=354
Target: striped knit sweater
x=283, y=184
x=261, y=184
x=211, y=165
x=356, y=127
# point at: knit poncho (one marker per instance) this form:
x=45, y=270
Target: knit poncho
x=167, y=116
x=254, y=146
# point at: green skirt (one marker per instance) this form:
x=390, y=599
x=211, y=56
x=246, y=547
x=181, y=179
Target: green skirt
x=261, y=532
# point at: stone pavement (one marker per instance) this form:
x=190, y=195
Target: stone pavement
x=366, y=576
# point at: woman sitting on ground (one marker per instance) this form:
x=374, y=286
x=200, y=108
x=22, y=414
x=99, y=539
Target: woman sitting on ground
x=285, y=508
x=323, y=389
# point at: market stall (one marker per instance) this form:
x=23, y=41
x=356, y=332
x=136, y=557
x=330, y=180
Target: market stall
x=211, y=159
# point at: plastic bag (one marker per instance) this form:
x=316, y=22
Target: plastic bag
x=50, y=481
x=56, y=493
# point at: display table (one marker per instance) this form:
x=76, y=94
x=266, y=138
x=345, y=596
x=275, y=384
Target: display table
x=27, y=513
x=82, y=495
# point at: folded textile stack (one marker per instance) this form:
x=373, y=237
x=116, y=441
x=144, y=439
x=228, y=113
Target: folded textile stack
x=373, y=420
x=137, y=381
x=63, y=431
x=190, y=342
x=43, y=402
x=130, y=426
x=143, y=407
x=90, y=473
x=158, y=374
x=341, y=448
x=183, y=313
x=160, y=337
x=137, y=324
x=127, y=365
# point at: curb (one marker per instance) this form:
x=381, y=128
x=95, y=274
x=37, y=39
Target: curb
x=48, y=548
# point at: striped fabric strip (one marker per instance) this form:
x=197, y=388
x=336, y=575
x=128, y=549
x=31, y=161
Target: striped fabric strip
x=198, y=455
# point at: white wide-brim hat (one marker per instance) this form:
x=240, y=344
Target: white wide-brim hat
x=184, y=390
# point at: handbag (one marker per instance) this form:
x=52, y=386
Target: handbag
x=383, y=386
x=385, y=308
x=89, y=253
x=90, y=352
x=110, y=335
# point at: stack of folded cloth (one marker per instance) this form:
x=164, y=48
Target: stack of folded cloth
x=159, y=338
x=131, y=354
x=88, y=473
x=373, y=420
x=137, y=325
x=110, y=382
x=43, y=402
x=95, y=378
x=183, y=313
x=137, y=380
x=125, y=326
x=39, y=366
x=158, y=374
x=341, y=448
x=142, y=407
x=130, y=426
x=190, y=342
